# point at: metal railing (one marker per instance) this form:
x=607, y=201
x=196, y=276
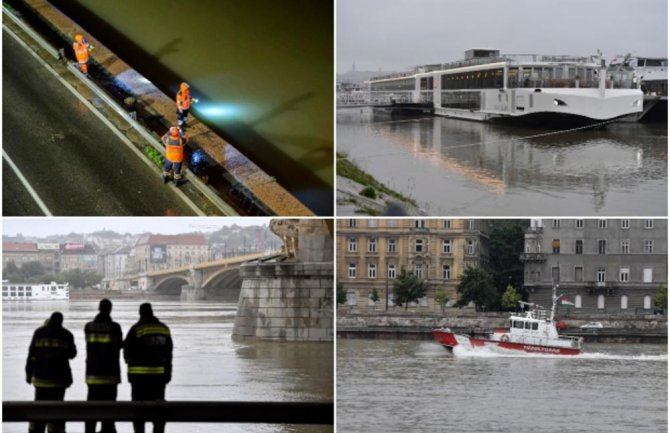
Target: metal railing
x=170, y=411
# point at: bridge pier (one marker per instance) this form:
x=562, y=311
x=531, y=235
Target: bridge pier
x=192, y=293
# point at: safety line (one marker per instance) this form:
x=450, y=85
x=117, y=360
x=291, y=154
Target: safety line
x=25, y=183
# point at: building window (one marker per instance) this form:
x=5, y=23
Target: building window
x=418, y=246
x=648, y=247
x=391, y=245
x=579, y=273
x=625, y=224
x=446, y=224
x=372, y=271
x=391, y=272
x=471, y=224
x=556, y=246
x=624, y=275
x=602, y=224
x=647, y=302
x=579, y=246
x=446, y=272
x=602, y=246
x=600, y=275
x=446, y=246
x=418, y=271
x=624, y=302
x=647, y=275
x=555, y=274
x=579, y=224
x=353, y=245
x=351, y=298
x=649, y=224
x=578, y=301
x=601, y=302
x=625, y=246
x=420, y=224
x=352, y=222
x=372, y=245
x=352, y=270
x=470, y=248
x=372, y=222
x=556, y=224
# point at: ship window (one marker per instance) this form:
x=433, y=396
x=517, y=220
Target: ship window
x=20, y=293
x=518, y=324
x=534, y=326
x=53, y=288
x=527, y=325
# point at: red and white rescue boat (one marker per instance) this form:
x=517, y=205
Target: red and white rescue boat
x=534, y=333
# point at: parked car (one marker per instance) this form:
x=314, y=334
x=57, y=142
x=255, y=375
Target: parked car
x=592, y=325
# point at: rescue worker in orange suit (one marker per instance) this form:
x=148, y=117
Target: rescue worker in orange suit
x=184, y=102
x=81, y=49
x=147, y=350
x=174, y=154
x=104, y=341
x=48, y=366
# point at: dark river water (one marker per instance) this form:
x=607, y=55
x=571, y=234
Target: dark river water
x=457, y=167
x=400, y=386
x=263, y=71
x=207, y=364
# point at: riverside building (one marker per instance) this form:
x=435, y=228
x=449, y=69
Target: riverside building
x=609, y=266
x=371, y=253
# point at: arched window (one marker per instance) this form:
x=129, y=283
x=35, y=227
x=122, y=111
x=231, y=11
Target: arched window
x=578, y=301
x=601, y=302
x=647, y=302
x=624, y=302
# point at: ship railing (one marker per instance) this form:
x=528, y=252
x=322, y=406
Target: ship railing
x=170, y=411
x=543, y=58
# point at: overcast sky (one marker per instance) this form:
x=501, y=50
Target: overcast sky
x=399, y=34
x=54, y=226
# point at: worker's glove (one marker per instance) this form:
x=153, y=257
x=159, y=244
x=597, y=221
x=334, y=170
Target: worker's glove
x=194, y=100
x=91, y=47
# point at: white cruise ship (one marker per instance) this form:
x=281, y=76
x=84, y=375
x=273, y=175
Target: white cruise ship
x=34, y=292
x=489, y=86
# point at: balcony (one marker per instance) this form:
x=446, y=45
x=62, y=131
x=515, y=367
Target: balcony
x=533, y=257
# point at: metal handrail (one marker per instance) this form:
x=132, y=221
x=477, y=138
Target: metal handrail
x=170, y=411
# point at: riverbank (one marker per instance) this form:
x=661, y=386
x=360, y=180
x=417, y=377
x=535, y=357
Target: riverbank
x=392, y=326
x=360, y=193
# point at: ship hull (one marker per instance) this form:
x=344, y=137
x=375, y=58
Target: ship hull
x=450, y=340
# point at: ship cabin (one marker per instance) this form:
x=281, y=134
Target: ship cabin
x=535, y=323
x=34, y=291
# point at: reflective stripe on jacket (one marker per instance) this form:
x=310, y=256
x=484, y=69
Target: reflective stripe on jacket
x=183, y=100
x=104, y=340
x=174, y=148
x=81, y=51
x=48, y=365
x=148, y=351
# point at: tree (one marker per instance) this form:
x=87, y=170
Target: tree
x=510, y=298
x=12, y=273
x=661, y=298
x=79, y=278
x=408, y=288
x=374, y=296
x=506, y=243
x=476, y=285
x=32, y=270
x=441, y=298
x=341, y=294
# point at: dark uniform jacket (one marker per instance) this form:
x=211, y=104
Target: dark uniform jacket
x=48, y=364
x=103, y=345
x=148, y=351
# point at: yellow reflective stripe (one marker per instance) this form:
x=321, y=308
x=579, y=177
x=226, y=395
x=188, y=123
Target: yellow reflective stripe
x=151, y=329
x=50, y=342
x=102, y=380
x=45, y=383
x=98, y=338
x=146, y=370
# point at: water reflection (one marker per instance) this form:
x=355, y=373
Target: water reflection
x=454, y=166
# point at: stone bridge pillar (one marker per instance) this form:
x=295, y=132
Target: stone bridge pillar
x=193, y=291
x=290, y=299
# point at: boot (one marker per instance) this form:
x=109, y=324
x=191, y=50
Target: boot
x=178, y=183
x=166, y=179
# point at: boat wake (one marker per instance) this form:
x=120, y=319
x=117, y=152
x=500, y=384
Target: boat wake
x=468, y=351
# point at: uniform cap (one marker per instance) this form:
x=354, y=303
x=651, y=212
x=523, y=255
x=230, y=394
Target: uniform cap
x=174, y=131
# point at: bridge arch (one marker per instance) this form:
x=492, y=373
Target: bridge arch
x=171, y=285
x=224, y=284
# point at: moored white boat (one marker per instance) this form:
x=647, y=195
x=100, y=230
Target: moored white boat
x=34, y=292
x=535, y=332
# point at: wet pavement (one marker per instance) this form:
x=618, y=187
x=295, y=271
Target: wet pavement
x=456, y=167
x=75, y=163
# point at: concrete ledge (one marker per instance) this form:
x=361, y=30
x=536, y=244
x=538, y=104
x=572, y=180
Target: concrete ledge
x=240, y=170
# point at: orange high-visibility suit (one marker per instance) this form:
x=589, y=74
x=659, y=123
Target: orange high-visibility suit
x=80, y=47
x=174, y=154
x=183, y=104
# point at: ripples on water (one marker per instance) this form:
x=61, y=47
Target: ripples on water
x=401, y=386
x=454, y=167
x=208, y=365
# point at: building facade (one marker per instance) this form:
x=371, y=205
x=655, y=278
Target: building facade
x=609, y=266
x=114, y=268
x=372, y=252
x=156, y=252
x=47, y=254
x=78, y=256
